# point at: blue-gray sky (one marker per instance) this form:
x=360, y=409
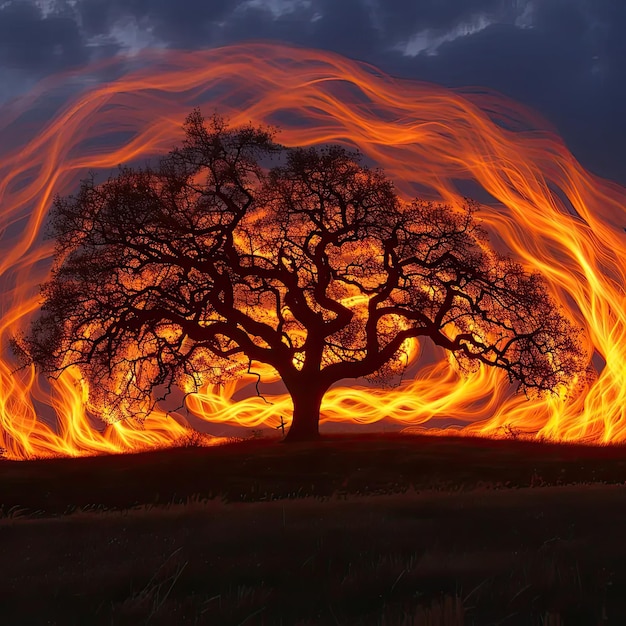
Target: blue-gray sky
x=565, y=58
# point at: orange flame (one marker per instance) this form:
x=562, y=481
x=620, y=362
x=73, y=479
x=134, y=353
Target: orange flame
x=537, y=201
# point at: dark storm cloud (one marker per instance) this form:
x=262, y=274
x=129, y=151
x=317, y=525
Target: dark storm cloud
x=564, y=57
x=36, y=44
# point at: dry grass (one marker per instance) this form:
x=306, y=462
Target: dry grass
x=415, y=558
x=441, y=544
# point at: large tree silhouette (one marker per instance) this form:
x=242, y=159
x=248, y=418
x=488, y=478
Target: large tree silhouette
x=189, y=271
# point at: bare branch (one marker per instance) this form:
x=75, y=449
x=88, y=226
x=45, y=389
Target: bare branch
x=185, y=273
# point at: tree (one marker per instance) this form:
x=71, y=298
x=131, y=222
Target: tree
x=187, y=272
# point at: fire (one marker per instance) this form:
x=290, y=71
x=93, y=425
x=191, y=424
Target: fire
x=537, y=202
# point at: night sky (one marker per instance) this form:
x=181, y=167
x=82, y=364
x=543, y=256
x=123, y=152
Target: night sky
x=565, y=58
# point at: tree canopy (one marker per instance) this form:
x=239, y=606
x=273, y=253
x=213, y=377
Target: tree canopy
x=234, y=249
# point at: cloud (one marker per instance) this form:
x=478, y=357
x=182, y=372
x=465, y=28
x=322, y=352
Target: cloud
x=128, y=35
x=429, y=41
x=277, y=8
x=526, y=17
x=520, y=13
x=185, y=24
x=38, y=43
x=399, y=20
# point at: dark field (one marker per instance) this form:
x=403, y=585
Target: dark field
x=383, y=529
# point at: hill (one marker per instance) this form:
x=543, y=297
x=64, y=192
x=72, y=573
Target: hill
x=376, y=529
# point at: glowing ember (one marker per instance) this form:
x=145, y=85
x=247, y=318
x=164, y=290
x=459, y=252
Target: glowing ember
x=539, y=203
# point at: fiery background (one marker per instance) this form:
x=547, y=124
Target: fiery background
x=126, y=103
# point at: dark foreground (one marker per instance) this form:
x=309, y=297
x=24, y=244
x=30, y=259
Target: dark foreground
x=370, y=530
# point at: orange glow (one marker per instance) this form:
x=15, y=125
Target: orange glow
x=537, y=201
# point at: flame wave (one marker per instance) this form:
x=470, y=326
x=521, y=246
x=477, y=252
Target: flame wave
x=537, y=201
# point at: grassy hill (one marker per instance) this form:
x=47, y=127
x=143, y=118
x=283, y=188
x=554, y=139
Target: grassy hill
x=373, y=529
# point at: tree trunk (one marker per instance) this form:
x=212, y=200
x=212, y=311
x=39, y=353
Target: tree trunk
x=307, y=399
